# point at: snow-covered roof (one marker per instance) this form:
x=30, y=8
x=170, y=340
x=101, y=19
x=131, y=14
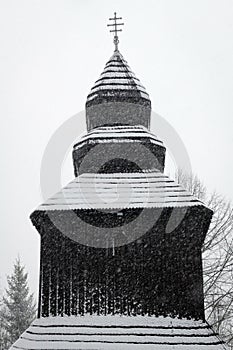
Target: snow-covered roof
x=118, y=332
x=120, y=190
x=117, y=76
x=119, y=133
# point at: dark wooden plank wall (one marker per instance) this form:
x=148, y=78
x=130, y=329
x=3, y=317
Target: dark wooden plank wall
x=159, y=274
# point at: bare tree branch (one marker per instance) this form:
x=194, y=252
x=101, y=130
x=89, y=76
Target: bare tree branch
x=217, y=257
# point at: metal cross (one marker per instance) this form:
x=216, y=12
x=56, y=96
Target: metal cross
x=115, y=30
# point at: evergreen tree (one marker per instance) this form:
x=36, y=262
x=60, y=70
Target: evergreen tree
x=4, y=337
x=18, y=305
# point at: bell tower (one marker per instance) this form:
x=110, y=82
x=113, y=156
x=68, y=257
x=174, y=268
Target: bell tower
x=121, y=263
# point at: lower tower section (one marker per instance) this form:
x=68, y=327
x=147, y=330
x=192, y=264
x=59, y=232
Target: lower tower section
x=158, y=274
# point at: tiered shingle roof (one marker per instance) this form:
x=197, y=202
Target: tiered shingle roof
x=121, y=190
x=118, y=332
x=119, y=133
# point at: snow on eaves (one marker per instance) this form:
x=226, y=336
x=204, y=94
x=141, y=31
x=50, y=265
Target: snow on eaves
x=120, y=191
x=118, y=332
x=119, y=133
x=117, y=75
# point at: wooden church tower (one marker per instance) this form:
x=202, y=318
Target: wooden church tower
x=121, y=264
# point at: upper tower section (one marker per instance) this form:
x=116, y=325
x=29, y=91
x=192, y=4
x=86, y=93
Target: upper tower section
x=117, y=97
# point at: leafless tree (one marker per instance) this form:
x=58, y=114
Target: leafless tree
x=217, y=257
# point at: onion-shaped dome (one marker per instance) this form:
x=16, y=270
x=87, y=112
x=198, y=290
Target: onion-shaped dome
x=118, y=97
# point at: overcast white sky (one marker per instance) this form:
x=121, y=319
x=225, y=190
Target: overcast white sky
x=52, y=51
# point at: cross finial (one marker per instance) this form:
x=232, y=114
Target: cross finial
x=115, y=30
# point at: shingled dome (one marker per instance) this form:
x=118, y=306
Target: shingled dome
x=117, y=97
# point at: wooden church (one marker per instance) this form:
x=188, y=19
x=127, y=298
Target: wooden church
x=121, y=263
